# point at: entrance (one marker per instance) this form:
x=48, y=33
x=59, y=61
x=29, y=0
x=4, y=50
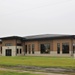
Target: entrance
x=8, y=52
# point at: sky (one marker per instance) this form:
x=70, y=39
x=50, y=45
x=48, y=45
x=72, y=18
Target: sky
x=33, y=17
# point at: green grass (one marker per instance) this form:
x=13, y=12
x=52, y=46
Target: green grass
x=14, y=73
x=64, y=62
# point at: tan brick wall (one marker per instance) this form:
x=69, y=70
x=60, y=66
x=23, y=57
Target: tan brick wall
x=13, y=47
x=13, y=42
x=19, y=41
x=74, y=41
x=61, y=41
x=32, y=42
x=53, y=44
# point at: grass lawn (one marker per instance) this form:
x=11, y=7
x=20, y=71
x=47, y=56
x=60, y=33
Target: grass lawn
x=64, y=62
x=15, y=73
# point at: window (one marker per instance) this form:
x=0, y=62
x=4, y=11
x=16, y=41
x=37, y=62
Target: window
x=1, y=50
x=32, y=48
x=73, y=48
x=8, y=52
x=65, y=48
x=8, y=44
x=17, y=51
x=20, y=51
x=45, y=48
x=26, y=49
x=58, y=48
x=29, y=49
x=18, y=44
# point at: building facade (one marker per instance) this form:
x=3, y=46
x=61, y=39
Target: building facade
x=38, y=45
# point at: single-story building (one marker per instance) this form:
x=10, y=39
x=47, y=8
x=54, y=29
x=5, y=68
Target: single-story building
x=38, y=45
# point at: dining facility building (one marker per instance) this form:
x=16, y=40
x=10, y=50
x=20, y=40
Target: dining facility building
x=38, y=45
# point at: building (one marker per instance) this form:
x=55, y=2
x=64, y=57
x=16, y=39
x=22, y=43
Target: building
x=38, y=45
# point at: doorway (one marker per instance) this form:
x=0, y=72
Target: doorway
x=8, y=52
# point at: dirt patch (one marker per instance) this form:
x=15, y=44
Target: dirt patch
x=45, y=69
x=22, y=71
x=41, y=69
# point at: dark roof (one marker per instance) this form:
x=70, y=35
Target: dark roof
x=40, y=37
x=47, y=36
x=12, y=37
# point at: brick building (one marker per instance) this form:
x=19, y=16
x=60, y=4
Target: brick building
x=38, y=45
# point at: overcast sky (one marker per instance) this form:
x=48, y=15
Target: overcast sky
x=32, y=17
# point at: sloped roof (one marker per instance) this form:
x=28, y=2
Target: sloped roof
x=45, y=36
x=12, y=37
x=39, y=37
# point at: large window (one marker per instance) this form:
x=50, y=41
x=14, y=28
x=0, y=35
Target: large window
x=65, y=48
x=32, y=48
x=58, y=48
x=45, y=48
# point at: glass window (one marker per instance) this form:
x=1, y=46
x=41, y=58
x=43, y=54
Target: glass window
x=20, y=51
x=45, y=48
x=65, y=48
x=1, y=50
x=26, y=49
x=29, y=48
x=19, y=44
x=17, y=51
x=73, y=48
x=8, y=44
x=58, y=48
x=33, y=48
